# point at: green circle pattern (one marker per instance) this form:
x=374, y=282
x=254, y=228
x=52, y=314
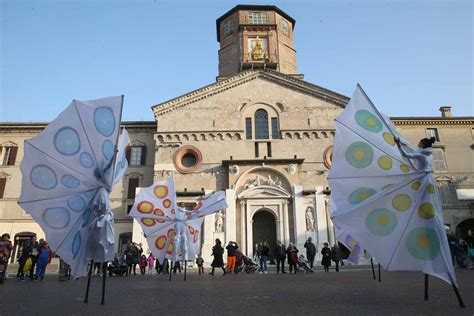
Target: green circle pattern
x=423, y=243
x=360, y=195
x=359, y=155
x=381, y=222
x=368, y=121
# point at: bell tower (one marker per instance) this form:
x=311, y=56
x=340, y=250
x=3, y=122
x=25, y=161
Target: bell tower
x=256, y=37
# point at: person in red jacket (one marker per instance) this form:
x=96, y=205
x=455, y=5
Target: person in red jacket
x=5, y=249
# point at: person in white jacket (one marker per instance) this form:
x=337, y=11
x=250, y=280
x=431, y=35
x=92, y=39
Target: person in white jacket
x=421, y=156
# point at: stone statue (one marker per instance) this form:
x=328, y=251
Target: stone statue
x=219, y=223
x=253, y=183
x=258, y=52
x=309, y=220
x=270, y=180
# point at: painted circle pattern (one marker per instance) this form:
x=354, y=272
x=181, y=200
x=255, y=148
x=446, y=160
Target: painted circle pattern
x=388, y=137
x=423, y=243
x=368, y=121
x=70, y=182
x=76, y=203
x=160, y=191
x=385, y=162
x=56, y=217
x=404, y=168
x=401, y=202
x=167, y=203
x=86, y=160
x=104, y=121
x=160, y=242
x=148, y=221
x=158, y=212
x=426, y=210
x=360, y=195
x=108, y=149
x=359, y=155
x=381, y=222
x=67, y=142
x=145, y=207
x=43, y=177
x=416, y=185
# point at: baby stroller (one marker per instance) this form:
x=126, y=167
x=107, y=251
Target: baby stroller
x=117, y=267
x=303, y=263
x=249, y=265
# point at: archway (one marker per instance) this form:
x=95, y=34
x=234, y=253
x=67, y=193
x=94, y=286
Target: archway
x=19, y=240
x=264, y=229
x=463, y=228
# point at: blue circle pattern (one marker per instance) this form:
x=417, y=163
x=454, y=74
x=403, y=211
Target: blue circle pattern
x=90, y=184
x=89, y=194
x=104, y=121
x=76, y=244
x=373, y=222
x=87, y=217
x=360, y=194
x=67, y=142
x=353, y=149
x=76, y=203
x=430, y=251
x=43, y=177
x=69, y=181
x=368, y=121
x=86, y=160
x=56, y=217
x=108, y=149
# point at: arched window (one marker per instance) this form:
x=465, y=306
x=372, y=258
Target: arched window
x=261, y=124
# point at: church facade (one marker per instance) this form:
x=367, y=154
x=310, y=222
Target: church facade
x=260, y=133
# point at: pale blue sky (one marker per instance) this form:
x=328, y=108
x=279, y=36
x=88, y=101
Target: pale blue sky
x=411, y=56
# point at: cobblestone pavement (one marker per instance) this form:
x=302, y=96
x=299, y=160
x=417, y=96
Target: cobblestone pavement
x=351, y=292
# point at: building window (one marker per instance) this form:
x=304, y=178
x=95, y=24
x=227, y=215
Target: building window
x=275, y=129
x=432, y=132
x=439, y=164
x=261, y=124
x=9, y=155
x=285, y=28
x=187, y=159
x=257, y=18
x=228, y=27
x=132, y=185
x=3, y=182
x=248, y=128
x=136, y=155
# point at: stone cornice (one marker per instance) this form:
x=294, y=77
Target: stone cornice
x=36, y=127
x=244, y=77
x=399, y=121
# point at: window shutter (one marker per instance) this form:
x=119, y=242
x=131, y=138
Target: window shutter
x=439, y=165
x=3, y=182
x=128, y=153
x=143, y=157
x=13, y=156
x=132, y=185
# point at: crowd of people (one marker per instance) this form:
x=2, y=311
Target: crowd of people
x=35, y=255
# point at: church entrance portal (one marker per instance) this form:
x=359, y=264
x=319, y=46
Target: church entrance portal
x=264, y=229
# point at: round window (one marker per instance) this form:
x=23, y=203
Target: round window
x=187, y=159
x=327, y=157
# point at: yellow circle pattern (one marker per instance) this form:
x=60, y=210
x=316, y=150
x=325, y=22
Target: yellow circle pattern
x=385, y=162
x=401, y=202
x=416, y=185
x=388, y=137
x=426, y=211
x=430, y=188
x=404, y=168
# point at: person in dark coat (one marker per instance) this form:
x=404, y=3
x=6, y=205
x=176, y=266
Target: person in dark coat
x=280, y=255
x=326, y=252
x=310, y=251
x=217, y=252
x=292, y=253
x=336, y=256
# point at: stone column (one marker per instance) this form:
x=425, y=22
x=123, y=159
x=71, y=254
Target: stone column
x=230, y=216
x=299, y=216
x=286, y=226
x=280, y=220
x=331, y=232
x=243, y=224
x=248, y=223
x=321, y=221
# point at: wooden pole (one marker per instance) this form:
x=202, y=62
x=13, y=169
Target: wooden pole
x=104, y=274
x=372, y=264
x=171, y=269
x=461, y=303
x=380, y=279
x=185, y=264
x=89, y=281
x=426, y=287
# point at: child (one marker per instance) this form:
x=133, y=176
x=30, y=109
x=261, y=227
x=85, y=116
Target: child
x=200, y=262
x=151, y=263
x=142, y=263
